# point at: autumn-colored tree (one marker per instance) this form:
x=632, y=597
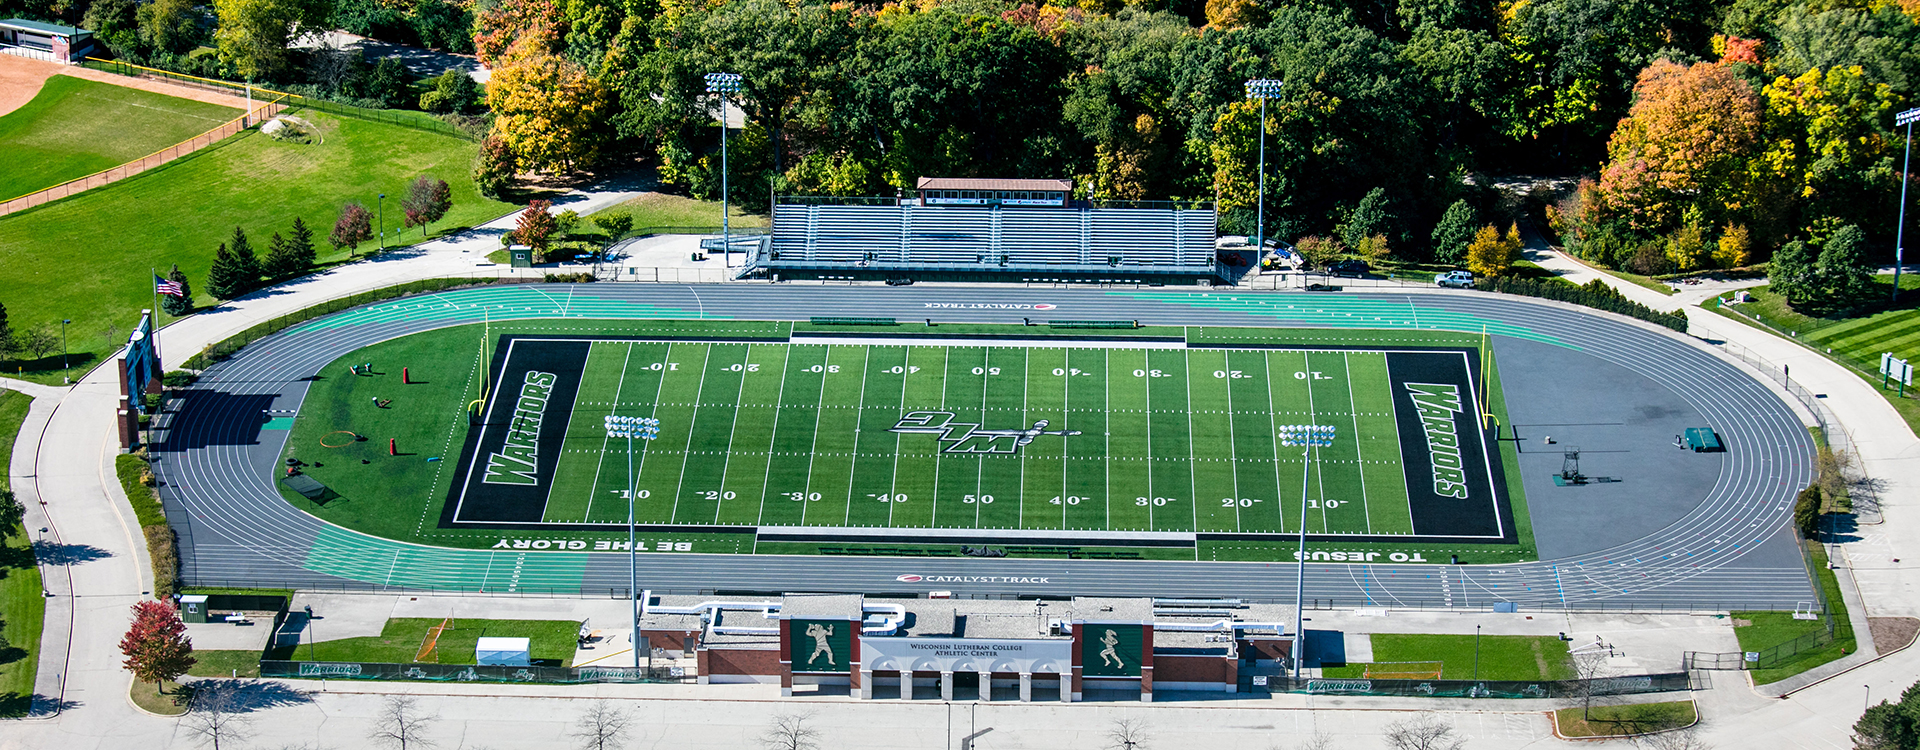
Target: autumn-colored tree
x=547, y=109
x=426, y=201
x=354, y=226
x=1235, y=14
x=1733, y=248
x=1687, y=248
x=505, y=24
x=156, y=645
x=1491, y=254
x=1317, y=252
x=1825, y=147
x=536, y=227
x=1686, y=142
x=1373, y=247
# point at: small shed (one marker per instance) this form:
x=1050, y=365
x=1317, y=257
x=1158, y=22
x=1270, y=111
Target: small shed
x=45, y=41
x=193, y=608
x=503, y=652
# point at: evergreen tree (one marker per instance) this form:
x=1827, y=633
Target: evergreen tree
x=280, y=262
x=1453, y=234
x=300, y=243
x=1368, y=219
x=246, y=265
x=183, y=304
x=223, y=279
x=8, y=344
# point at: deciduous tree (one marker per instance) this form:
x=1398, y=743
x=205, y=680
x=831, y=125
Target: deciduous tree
x=535, y=229
x=427, y=200
x=215, y=715
x=547, y=109
x=494, y=168
x=1843, y=269
x=1685, y=143
x=1491, y=254
x=11, y=514
x=8, y=342
x=156, y=645
x=602, y=727
x=354, y=226
x=401, y=725
x=253, y=34
x=1791, y=272
x=1733, y=247
x=453, y=92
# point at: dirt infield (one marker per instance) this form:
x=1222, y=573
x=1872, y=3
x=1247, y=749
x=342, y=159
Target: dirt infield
x=20, y=80
x=158, y=86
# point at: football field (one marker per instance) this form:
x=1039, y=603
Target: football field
x=1075, y=436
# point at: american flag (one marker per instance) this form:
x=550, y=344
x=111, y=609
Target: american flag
x=168, y=287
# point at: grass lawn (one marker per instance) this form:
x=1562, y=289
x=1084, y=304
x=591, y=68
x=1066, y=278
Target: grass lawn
x=86, y=258
x=225, y=663
x=554, y=641
x=172, y=703
x=1616, y=721
x=1855, y=342
x=663, y=210
x=1767, y=630
x=1502, y=657
x=76, y=127
x=21, y=604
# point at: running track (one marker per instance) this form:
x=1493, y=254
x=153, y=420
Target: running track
x=218, y=467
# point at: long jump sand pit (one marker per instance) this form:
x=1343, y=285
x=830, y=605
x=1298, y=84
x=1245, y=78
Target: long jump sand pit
x=20, y=79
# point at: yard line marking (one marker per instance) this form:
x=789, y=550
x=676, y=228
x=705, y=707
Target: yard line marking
x=1193, y=476
x=733, y=429
x=893, y=483
x=699, y=391
x=766, y=481
x=1320, y=477
x=819, y=407
x=1106, y=451
x=1026, y=414
x=853, y=464
x=1233, y=450
x=1366, y=502
x=980, y=470
x=1279, y=509
x=593, y=489
x=1150, y=493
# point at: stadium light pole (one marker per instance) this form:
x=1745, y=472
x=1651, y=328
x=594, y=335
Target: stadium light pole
x=1306, y=437
x=1262, y=89
x=724, y=84
x=383, y=222
x=645, y=428
x=1907, y=119
x=64, y=375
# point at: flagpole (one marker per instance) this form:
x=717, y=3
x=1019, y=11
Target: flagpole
x=156, y=295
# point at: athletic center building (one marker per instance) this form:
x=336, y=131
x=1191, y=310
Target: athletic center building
x=948, y=649
x=966, y=229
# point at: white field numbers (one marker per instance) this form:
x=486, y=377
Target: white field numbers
x=1154, y=500
x=1068, y=499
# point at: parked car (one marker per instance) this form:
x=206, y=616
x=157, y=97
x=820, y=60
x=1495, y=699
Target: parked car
x=1354, y=268
x=1455, y=279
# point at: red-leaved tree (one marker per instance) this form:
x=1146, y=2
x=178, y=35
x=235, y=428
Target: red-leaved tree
x=156, y=646
x=427, y=200
x=354, y=227
x=536, y=226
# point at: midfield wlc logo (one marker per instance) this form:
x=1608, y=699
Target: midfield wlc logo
x=962, y=437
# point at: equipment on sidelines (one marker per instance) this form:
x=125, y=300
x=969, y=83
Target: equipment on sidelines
x=392, y=448
x=1570, y=475
x=432, y=640
x=351, y=439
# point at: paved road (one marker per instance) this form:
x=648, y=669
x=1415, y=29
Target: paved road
x=218, y=466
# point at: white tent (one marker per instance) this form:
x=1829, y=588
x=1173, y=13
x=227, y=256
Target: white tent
x=504, y=652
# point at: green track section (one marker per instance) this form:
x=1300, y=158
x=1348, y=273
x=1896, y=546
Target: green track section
x=1333, y=316
x=363, y=558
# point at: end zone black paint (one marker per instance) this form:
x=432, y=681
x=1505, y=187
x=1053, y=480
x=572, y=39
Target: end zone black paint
x=1484, y=513
x=472, y=501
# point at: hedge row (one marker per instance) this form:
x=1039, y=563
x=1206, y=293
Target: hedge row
x=1595, y=294
x=163, y=546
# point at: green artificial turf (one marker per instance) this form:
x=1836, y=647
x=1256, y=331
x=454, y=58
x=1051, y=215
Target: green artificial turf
x=1502, y=657
x=86, y=258
x=799, y=434
x=75, y=127
x=22, y=605
x=553, y=642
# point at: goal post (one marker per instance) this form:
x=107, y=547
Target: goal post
x=432, y=640
x=1405, y=670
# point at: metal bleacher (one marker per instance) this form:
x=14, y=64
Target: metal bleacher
x=911, y=240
